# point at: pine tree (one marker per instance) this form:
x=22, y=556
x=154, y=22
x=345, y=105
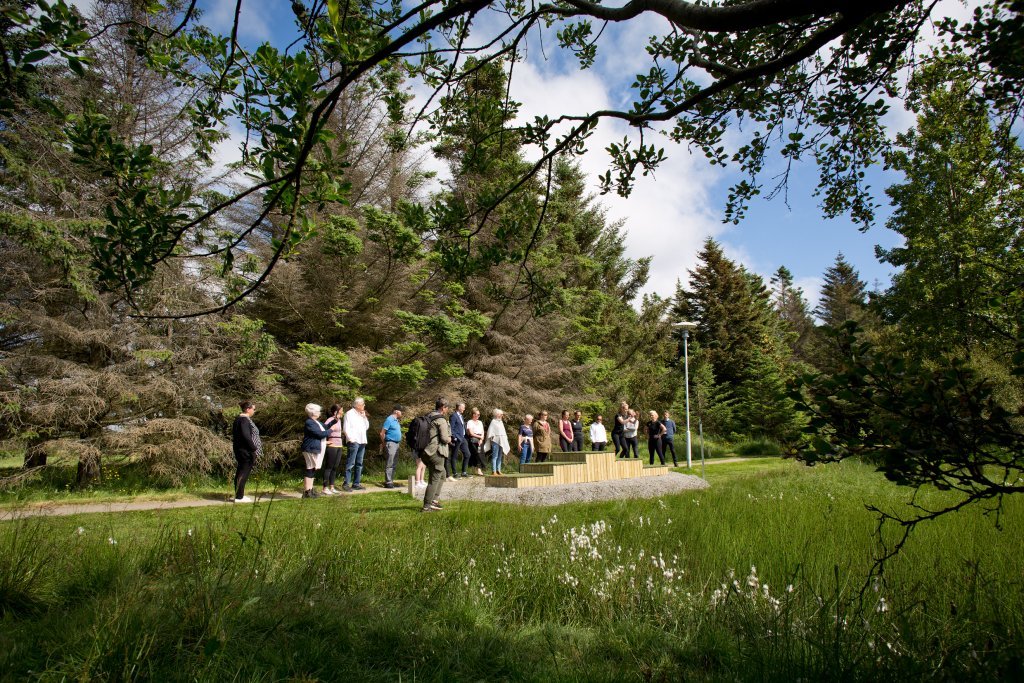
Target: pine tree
x=791, y=307
x=719, y=299
x=843, y=295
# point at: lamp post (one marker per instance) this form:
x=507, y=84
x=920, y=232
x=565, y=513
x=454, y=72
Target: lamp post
x=686, y=327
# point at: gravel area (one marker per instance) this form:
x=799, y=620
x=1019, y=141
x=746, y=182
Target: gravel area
x=643, y=487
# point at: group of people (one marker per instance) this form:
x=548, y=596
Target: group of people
x=450, y=446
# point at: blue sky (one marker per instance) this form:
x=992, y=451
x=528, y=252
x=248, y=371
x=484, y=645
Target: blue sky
x=671, y=214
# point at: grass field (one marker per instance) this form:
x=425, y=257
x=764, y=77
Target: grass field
x=367, y=588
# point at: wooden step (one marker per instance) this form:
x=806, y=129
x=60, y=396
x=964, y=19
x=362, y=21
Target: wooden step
x=576, y=468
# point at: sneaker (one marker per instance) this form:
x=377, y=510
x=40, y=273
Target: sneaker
x=326, y=492
x=243, y=499
x=346, y=487
x=310, y=493
x=435, y=506
x=334, y=491
x=421, y=484
x=388, y=485
x=357, y=487
x=429, y=509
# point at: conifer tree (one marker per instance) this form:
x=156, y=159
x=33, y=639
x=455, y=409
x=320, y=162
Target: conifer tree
x=791, y=307
x=843, y=296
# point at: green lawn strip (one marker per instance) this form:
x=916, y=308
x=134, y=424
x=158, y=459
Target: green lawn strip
x=618, y=590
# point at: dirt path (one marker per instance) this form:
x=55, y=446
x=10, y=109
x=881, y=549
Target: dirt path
x=60, y=510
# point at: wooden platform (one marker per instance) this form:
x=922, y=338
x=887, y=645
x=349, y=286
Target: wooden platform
x=576, y=468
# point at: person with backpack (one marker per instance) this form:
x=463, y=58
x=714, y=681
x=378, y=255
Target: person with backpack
x=435, y=453
x=416, y=438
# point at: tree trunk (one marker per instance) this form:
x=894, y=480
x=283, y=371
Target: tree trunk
x=35, y=458
x=89, y=471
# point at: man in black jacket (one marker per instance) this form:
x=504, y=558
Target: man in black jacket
x=246, y=444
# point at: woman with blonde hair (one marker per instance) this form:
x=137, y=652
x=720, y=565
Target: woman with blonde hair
x=496, y=440
x=314, y=445
x=655, y=430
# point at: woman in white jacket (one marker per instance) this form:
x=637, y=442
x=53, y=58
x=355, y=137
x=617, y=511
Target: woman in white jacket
x=496, y=440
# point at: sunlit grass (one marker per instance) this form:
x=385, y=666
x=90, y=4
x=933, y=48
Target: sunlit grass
x=367, y=588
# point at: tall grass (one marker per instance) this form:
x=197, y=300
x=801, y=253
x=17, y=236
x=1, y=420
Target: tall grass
x=762, y=577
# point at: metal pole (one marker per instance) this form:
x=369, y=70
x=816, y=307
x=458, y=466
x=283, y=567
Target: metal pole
x=686, y=364
x=700, y=430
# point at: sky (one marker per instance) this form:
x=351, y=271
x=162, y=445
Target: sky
x=671, y=213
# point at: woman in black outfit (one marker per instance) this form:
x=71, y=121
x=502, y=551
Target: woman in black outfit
x=618, y=428
x=577, y=431
x=247, y=447
x=655, y=430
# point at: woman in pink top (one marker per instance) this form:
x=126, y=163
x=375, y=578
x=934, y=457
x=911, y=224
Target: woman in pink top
x=565, y=432
x=335, y=442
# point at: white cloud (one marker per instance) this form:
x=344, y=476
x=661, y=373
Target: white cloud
x=668, y=215
x=252, y=25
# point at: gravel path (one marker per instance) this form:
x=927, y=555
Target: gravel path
x=643, y=487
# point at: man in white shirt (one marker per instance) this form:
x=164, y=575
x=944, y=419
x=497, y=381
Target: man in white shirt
x=355, y=426
x=598, y=436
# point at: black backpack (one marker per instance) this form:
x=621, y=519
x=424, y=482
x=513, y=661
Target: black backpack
x=417, y=437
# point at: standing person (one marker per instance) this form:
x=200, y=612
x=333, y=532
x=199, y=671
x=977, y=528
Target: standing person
x=655, y=430
x=525, y=441
x=314, y=445
x=247, y=447
x=390, y=437
x=496, y=440
x=421, y=467
x=565, y=432
x=436, y=453
x=577, y=431
x=475, y=437
x=459, y=445
x=542, y=436
x=629, y=434
x=668, y=438
x=356, y=425
x=618, y=428
x=598, y=435
x=335, y=442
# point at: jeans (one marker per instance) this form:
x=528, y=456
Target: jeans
x=331, y=464
x=356, y=451
x=391, y=448
x=525, y=451
x=496, y=458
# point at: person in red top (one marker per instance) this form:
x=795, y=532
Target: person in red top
x=565, y=432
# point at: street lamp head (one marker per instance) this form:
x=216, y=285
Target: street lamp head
x=685, y=325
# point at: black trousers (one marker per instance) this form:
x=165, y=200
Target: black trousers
x=565, y=444
x=630, y=442
x=667, y=445
x=541, y=457
x=654, y=446
x=242, y=473
x=577, y=442
x=474, y=453
x=332, y=461
x=619, y=442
